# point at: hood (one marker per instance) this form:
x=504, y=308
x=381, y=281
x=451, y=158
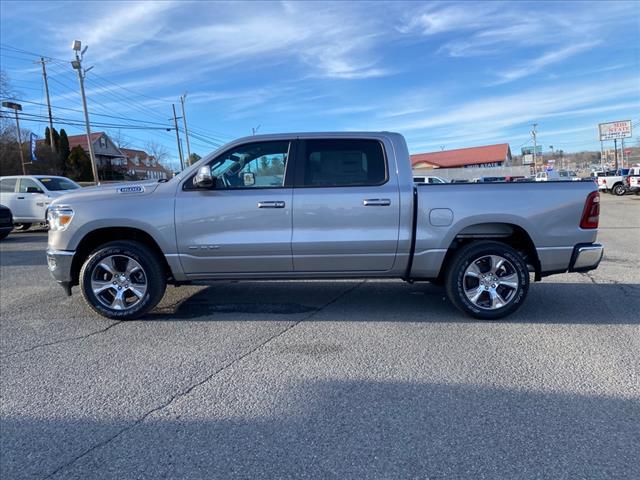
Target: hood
x=109, y=190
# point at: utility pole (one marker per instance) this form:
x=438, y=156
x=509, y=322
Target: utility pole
x=46, y=89
x=615, y=148
x=186, y=132
x=77, y=65
x=254, y=130
x=175, y=122
x=535, y=145
x=622, y=152
x=16, y=107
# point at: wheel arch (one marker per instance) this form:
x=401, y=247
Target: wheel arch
x=102, y=236
x=509, y=233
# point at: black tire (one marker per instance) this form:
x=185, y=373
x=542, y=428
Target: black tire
x=456, y=280
x=618, y=190
x=4, y=235
x=21, y=227
x=152, y=271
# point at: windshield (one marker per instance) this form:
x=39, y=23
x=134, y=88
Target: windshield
x=54, y=184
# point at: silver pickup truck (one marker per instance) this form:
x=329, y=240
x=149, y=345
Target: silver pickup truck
x=313, y=206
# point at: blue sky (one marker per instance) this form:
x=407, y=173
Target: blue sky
x=442, y=73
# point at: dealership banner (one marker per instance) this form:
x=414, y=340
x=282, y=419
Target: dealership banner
x=615, y=130
x=32, y=146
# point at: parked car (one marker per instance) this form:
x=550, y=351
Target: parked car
x=515, y=178
x=428, y=179
x=28, y=196
x=632, y=180
x=547, y=176
x=488, y=179
x=614, y=182
x=6, y=222
x=347, y=207
x=569, y=175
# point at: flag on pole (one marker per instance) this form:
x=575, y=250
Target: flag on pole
x=32, y=143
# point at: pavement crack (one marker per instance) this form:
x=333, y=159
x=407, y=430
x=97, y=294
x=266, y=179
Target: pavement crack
x=187, y=390
x=64, y=340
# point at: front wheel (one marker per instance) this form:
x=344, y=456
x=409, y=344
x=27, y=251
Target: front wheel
x=487, y=280
x=122, y=280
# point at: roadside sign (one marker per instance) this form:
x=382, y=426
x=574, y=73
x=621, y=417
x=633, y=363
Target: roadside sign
x=614, y=130
x=529, y=150
x=527, y=159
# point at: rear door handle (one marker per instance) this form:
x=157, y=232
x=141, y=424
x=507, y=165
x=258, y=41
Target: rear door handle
x=271, y=204
x=376, y=202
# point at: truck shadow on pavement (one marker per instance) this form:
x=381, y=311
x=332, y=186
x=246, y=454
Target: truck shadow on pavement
x=337, y=429
x=388, y=301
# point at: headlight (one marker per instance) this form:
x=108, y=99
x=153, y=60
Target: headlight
x=59, y=218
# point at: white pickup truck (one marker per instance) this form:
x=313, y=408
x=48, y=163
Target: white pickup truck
x=319, y=205
x=615, y=183
x=633, y=180
x=29, y=196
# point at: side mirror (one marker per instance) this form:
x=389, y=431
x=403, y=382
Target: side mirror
x=34, y=190
x=249, y=179
x=203, y=178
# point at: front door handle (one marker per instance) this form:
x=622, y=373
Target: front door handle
x=377, y=202
x=20, y=198
x=271, y=204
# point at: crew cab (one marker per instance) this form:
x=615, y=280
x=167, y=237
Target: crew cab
x=614, y=183
x=319, y=205
x=28, y=196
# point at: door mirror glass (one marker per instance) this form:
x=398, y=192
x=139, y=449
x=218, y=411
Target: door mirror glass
x=249, y=179
x=203, y=178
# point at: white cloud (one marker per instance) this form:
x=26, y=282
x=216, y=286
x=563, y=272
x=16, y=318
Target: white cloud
x=218, y=35
x=544, y=60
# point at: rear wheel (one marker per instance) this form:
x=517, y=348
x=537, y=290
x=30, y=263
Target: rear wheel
x=21, y=226
x=122, y=280
x=487, y=280
x=618, y=190
x=4, y=235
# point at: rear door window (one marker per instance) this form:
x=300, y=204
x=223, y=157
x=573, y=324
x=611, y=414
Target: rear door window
x=8, y=185
x=342, y=163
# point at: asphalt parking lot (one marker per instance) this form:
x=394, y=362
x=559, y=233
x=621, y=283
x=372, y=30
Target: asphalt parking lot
x=340, y=379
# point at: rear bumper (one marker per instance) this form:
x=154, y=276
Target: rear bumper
x=586, y=257
x=59, y=263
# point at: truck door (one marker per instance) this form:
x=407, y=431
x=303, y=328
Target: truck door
x=243, y=223
x=346, y=207
x=30, y=200
x=8, y=193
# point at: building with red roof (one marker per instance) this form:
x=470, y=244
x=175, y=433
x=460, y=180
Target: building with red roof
x=114, y=162
x=498, y=155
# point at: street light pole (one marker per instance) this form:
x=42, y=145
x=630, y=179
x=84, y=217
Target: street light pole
x=16, y=107
x=77, y=65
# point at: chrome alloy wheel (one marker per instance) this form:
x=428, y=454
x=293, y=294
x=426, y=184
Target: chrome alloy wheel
x=119, y=282
x=490, y=282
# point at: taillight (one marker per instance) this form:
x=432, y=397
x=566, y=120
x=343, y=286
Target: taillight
x=591, y=212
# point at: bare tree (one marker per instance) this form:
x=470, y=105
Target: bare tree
x=120, y=140
x=159, y=152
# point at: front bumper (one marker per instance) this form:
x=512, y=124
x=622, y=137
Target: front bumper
x=59, y=263
x=586, y=257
